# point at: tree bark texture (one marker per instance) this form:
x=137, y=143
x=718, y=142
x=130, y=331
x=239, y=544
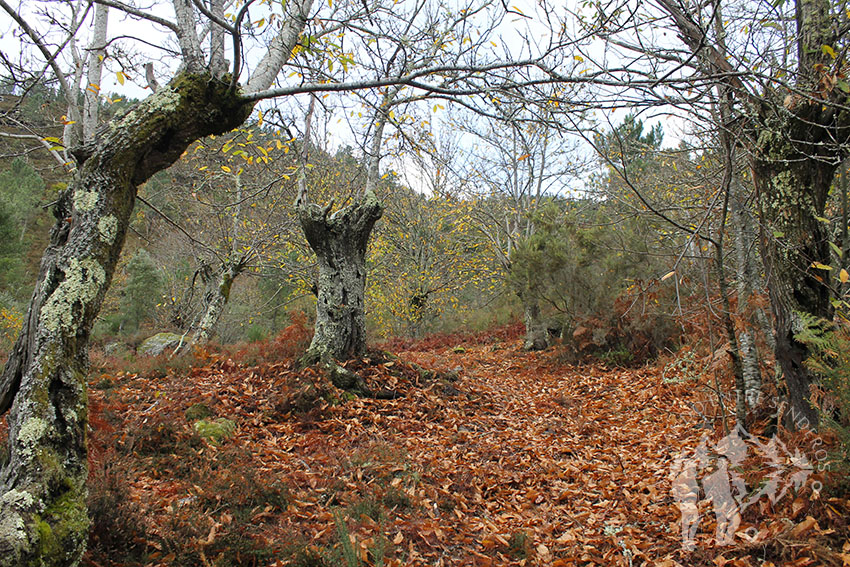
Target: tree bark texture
x=43, y=518
x=796, y=140
x=797, y=149
x=746, y=284
x=339, y=241
x=536, y=333
x=215, y=301
x=729, y=328
x=793, y=169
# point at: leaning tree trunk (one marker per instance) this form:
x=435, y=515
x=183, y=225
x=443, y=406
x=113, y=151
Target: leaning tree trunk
x=339, y=241
x=793, y=178
x=43, y=518
x=536, y=333
x=215, y=301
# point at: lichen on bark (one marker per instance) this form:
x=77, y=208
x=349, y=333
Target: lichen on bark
x=43, y=384
x=340, y=241
x=793, y=168
x=107, y=227
x=84, y=280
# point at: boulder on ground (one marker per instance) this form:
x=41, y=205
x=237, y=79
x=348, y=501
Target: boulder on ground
x=115, y=348
x=159, y=343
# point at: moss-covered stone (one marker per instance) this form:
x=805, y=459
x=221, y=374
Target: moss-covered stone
x=197, y=412
x=159, y=343
x=215, y=431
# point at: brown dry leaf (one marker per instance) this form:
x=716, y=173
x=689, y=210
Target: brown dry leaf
x=798, y=506
x=804, y=527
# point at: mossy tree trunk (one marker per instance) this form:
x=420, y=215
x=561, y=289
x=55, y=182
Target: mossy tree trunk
x=43, y=517
x=340, y=241
x=799, y=146
x=799, y=143
x=796, y=139
x=793, y=185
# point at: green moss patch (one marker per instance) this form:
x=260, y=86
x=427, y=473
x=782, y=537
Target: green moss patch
x=215, y=431
x=197, y=412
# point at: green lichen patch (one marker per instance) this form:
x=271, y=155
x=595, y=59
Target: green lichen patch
x=165, y=100
x=12, y=527
x=20, y=499
x=30, y=435
x=215, y=431
x=85, y=200
x=168, y=101
x=83, y=281
x=107, y=228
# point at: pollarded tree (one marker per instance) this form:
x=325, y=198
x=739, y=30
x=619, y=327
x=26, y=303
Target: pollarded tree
x=339, y=240
x=407, y=40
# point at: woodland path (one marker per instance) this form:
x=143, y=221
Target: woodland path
x=577, y=457
x=523, y=460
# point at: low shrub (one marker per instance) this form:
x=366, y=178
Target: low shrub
x=289, y=344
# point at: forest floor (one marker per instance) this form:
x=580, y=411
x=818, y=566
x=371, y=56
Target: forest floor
x=520, y=460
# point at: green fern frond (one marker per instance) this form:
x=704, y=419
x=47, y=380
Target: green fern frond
x=815, y=333
x=829, y=359
x=349, y=554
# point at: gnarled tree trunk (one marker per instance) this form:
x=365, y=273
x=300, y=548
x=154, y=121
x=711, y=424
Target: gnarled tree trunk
x=339, y=241
x=43, y=518
x=797, y=138
x=793, y=184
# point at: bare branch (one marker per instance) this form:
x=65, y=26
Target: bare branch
x=140, y=14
